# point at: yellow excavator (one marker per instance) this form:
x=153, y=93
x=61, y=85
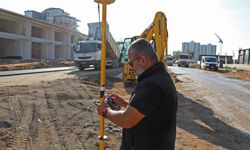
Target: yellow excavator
x=157, y=35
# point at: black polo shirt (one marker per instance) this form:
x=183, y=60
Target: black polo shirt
x=155, y=97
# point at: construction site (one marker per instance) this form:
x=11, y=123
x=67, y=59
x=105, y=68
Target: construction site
x=57, y=110
x=53, y=77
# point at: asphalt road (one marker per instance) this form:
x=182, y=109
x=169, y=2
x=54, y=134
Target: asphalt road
x=228, y=96
x=231, y=89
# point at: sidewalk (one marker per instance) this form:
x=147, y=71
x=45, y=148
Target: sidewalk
x=238, y=66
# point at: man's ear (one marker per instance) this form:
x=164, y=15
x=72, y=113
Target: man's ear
x=144, y=60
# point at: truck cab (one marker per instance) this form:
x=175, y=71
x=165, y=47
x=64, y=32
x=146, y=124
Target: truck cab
x=183, y=60
x=88, y=54
x=209, y=62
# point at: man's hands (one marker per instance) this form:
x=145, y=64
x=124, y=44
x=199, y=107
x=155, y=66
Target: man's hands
x=102, y=109
x=125, y=118
x=119, y=100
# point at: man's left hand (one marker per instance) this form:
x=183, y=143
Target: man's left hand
x=101, y=108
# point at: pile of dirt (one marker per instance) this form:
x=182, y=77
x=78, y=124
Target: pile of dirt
x=19, y=65
x=238, y=74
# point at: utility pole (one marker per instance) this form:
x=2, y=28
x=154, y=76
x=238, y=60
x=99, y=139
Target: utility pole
x=225, y=57
x=104, y=3
x=221, y=42
x=233, y=56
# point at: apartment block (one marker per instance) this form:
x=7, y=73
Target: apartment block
x=56, y=16
x=196, y=49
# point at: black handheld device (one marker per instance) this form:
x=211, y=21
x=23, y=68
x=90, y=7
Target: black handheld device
x=111, y=103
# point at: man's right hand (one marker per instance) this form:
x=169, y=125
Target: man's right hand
x=119, y=100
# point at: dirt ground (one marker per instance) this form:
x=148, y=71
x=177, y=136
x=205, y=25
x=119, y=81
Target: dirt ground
x=238, y=74
x=61, y=114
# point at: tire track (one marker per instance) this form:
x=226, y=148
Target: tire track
x=14, y=105
x=22, y=119
x=52, y=119
x=71, y=138
x=66, y=136
x=86, y=106
x=2, y=145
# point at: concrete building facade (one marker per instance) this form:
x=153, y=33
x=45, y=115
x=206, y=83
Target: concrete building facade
x=55, y=15
x=27, y=38
x=244, y=56
x=196, y=49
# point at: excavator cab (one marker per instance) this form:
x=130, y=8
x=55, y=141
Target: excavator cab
x=128, y=71
x=124, y=50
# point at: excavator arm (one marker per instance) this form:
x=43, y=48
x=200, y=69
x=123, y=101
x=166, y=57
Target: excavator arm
x=157, y=35
x=157, y=31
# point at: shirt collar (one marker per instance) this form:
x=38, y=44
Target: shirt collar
x=154, y=69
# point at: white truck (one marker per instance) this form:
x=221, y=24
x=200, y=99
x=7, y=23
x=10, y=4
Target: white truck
x=87, y=53
x=183, y=60
x=209, y=62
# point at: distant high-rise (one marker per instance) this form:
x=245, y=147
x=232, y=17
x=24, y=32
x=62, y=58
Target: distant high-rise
x=196, y=49
x=55, y=15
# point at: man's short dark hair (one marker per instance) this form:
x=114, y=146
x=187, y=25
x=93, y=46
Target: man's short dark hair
x=142, y=47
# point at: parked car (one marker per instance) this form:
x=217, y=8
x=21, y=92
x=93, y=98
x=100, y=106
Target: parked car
x=209, y=62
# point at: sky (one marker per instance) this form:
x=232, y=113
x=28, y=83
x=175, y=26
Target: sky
x=192, y=20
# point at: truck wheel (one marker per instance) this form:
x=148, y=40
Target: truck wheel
x=117, y=64
x=81, y=68
x=113, y=65
x=97, y=67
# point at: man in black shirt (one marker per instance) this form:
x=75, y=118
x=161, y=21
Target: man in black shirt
x=149, y=118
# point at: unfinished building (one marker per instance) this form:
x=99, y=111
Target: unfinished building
x=23, y=37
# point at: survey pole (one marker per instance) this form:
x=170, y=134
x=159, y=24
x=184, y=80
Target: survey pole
x=104, y=3
x=103, y=72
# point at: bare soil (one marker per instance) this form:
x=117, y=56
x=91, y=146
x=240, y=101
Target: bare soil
x=61, y=114
x=238, y=74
